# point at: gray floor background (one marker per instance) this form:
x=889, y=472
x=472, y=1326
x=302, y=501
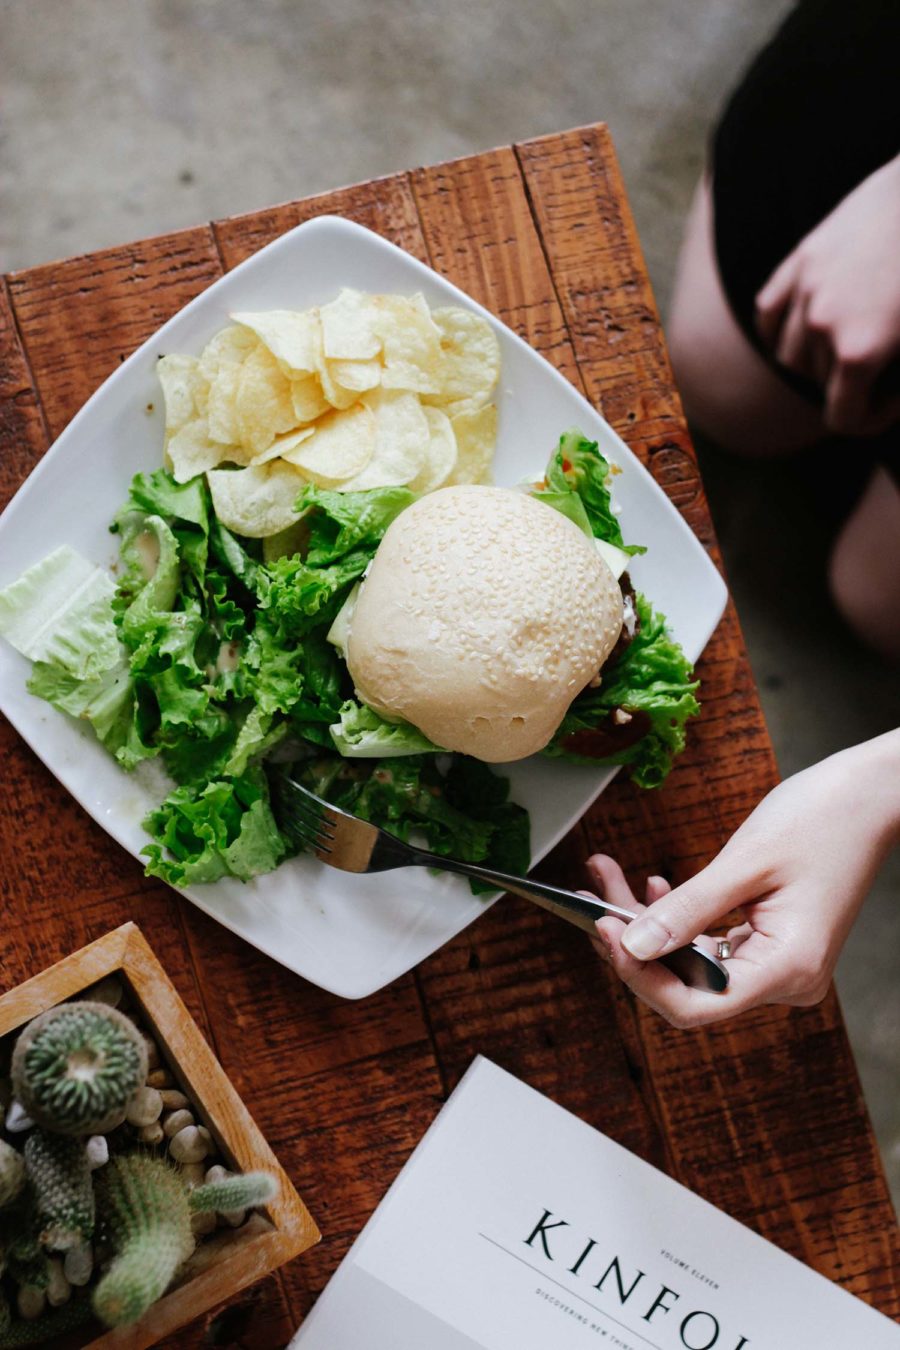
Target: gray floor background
x=123, y=118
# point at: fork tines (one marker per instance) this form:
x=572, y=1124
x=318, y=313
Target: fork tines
x=302, y=815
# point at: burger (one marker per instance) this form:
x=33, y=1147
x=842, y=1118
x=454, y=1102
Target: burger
x=484, y=614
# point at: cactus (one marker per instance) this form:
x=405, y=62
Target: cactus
x=43, y=1329
x=12, y=1173
x=144, y=1212
x=74, y=1068
x=233, y=1193
x=29, y=1270
x=60, y=1176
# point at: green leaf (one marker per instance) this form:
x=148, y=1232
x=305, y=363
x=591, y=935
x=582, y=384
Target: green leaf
x=106, y=701
x=301, y=596
x=59, y=611
x=652, y=680
x=225, y=828
x=256, y=736
x=577, y=466
x=341, y=522
x=360, y=733
x=158, y=494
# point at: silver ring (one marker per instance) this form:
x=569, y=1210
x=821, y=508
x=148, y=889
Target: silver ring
x=723, y=950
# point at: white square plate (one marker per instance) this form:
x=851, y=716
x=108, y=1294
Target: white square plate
x=349, y=934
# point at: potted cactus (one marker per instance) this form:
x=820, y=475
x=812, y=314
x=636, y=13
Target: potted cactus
x=131, y=1175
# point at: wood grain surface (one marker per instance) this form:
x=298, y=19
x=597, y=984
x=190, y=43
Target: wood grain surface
x=764, y=1116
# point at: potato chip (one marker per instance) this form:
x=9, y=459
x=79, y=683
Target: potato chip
x=440, y=460
x=308, y=400
x=411, y=344
x=342, y=444
x=402, y=438
x=349, y=327
x=184, y=390
x=356, y=376
x=190, y=451
x=229, y=347
x=293, y=337
x=257, y=501
x=282, y=444
x=264, y=405
x=470, y=361
x=220, y=364
x=476, y=436
x=337, y=396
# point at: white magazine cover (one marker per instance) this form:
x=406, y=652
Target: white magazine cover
x=516, y=1226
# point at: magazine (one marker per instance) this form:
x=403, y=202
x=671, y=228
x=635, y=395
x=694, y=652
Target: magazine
x=516, y=1226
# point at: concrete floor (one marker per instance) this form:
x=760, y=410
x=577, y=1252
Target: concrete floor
x=122, y=118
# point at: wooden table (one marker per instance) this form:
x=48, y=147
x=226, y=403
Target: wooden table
x=764, y=1117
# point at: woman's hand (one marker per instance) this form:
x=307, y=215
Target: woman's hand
x=800, y=867
x=831, y=310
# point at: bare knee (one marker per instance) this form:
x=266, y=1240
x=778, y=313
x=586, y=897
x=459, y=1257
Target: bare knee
x=728, y=390
x=864, y=570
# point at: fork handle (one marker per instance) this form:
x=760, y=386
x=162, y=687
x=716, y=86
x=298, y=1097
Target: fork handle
x=694, y=967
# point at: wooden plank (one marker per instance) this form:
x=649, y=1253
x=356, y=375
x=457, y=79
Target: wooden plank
x=81, y=317
x=519, y=987
x=343, y=1090
x=385, y=205
x=22, y=431
x=742, y=1101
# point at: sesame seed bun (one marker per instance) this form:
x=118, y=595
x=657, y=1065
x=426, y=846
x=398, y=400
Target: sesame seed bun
x=483, y=615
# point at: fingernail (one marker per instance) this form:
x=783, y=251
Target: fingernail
x=605, y=945
x=645, y=938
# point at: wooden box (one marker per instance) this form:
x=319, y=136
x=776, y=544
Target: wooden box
x=229, y=1260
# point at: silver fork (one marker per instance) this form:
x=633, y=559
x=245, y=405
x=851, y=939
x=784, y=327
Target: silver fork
x=345, y=841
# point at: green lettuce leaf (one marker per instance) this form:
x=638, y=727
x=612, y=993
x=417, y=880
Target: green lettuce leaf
x=360, y=733
x=59, y=612
x=463, y=813
x=225, y=828
x=577, y=467
x=345, y=522
x=652, y=680
x=300, y=596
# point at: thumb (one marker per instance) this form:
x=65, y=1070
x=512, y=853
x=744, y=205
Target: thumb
x=677, y=918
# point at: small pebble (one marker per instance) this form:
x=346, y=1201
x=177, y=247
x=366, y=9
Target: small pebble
x=234, y=1217
x=159, y=1078
x=189, y=1145
x=30, y=1301
x=152, y=1134
x=192, y=1174
x=153, y=1060
x=58, y=1290
x=217, y=1173
x=145, y=1107
x=97, y=1150
x=175, y=1121
x=207, y=1139
x=202, y=1223
x=79, y=1264
x=17, y=1118
x=173, y=1100
x=108, y=991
